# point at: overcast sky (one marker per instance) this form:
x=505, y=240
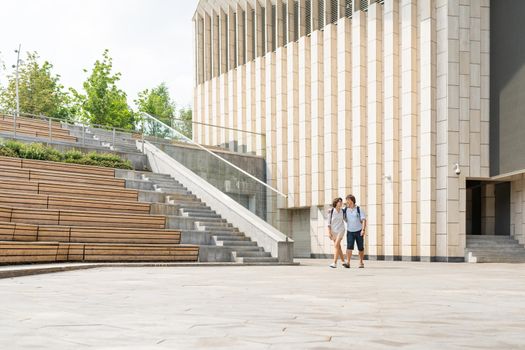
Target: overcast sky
x=150, y=40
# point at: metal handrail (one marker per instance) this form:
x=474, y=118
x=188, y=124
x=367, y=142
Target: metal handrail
x=184, y=137
x=226, y=128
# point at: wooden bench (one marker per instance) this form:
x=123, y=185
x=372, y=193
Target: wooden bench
x=46, y=175
x=55, y=166
x=134, y=253
x=39, y=135
x=33, y=252
x=40, y=252
x=78, y=234
x=23, y=125
x=31, y=121
x=79, y=218
x=43, y=201
x=60, y=189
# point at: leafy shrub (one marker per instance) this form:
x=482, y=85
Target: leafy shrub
x=7, y=152
x=72, y=156
x=41, y=152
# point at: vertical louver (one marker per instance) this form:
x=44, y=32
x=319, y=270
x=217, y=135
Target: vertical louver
x=364, y=5
x=254, y=35
x=333, y=11
x=348, y=8
x=234, y=40
x=296, y=20
x=308, y=16
x=285, y=23
x=274, y=27
x=320, y=13
x=263, y=29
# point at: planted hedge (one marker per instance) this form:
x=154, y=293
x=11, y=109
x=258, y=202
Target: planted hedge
x=41, y=152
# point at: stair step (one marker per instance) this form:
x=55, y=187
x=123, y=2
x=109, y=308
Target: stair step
x=233, y=243
x=246, y=248
x=223, y=233
x=260, y=260
x=232, y=238
x=258, y=254
x=206, y=215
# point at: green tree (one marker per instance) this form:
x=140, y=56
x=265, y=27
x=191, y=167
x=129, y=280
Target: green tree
x=103, y=102
x=157, y=102
x=186, y=118
x=40, y=91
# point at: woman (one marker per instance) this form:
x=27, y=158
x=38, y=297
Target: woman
x=336, y=229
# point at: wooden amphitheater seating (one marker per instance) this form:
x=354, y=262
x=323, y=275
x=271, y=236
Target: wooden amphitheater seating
x=35, y=128
x=50, y=252
x=70, y=190
x=80, y=218
x=54, y=166
x=57, y=212
x=47, y=175
x=31, y=121
x=43, y=201
x=78, y=234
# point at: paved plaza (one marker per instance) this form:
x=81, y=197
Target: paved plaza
x=386, y=305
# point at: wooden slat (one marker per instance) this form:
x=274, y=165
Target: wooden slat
x=54, y=233
x=35, y=216
x=41, y=175
x=67, y=167
x=23, y=200
x=59, y=202
x=79, y=218
x=69, y=190
x=14, y=174
x=21, y=252
x=84, y=191
x=19, y=186
x=42, y=201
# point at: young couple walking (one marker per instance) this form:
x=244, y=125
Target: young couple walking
x=355, y=220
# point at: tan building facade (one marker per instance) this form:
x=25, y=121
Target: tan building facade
x=386, y=100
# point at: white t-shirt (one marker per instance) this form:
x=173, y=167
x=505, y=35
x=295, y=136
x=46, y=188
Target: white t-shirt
x=337, y=223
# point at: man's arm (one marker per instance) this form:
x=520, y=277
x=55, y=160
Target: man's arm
x=363, y=230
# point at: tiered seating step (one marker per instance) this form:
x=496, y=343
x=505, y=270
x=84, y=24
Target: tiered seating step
x=79, y=218
x=76, y=234
x=22, y=252
x=42, y=201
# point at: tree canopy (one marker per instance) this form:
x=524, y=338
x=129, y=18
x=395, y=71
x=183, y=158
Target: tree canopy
x=157, y=102
x=40, y=91
x=103, y=103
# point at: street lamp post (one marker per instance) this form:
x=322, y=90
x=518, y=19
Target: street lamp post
x=17, y=113
x=17, y=65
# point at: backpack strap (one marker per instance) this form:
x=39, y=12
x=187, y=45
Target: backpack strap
x=359, y=212
x=331, y=213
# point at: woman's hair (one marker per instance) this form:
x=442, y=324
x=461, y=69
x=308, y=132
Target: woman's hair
x=335, y=201
x=351, y=197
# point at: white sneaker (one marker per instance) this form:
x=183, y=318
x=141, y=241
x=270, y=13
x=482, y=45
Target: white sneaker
x=333, y=266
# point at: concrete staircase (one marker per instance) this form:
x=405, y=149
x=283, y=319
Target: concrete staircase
x=198, y=223
x=494, y=249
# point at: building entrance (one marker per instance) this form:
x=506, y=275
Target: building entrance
x=488, y=208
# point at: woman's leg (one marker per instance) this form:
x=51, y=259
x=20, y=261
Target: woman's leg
x=338, y=250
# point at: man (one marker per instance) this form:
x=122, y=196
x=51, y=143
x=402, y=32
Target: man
x=356, y=230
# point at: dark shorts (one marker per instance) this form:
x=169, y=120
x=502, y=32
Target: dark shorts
x=352, y=237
